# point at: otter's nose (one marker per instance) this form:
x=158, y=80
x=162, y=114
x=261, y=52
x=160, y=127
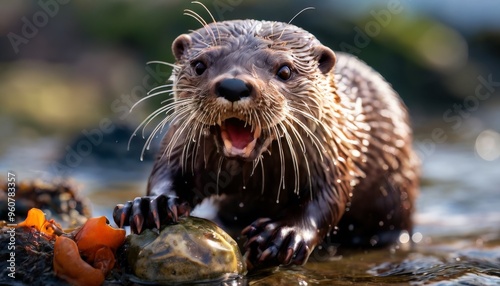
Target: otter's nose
x=233, y=89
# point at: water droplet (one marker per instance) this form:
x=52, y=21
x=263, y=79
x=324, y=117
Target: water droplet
x=241, y=205
x=404, y=237
x=381, y=223
x=244, y=187
x=488, y=145
x=417, y=237
x=351, y=227
x=277, y=201
x=235, y=218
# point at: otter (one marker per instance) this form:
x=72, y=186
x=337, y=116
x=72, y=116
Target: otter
x=283, y=141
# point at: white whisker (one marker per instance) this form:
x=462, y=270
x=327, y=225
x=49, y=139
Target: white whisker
x=197, y=17
x=293, y=154
x=210, y=14
x=160, y=87
x=219, y=169
x=149, y=96
x=164, y=63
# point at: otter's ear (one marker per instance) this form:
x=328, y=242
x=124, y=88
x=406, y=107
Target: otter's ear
x=180, y=45
x=326, y=59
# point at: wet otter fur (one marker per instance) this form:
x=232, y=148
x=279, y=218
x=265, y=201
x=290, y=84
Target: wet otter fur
x=285, y=141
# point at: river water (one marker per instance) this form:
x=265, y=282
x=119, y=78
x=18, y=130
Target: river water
x=457, y=233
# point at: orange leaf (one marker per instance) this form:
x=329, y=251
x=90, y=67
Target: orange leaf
x=104, y=260
x=69, y=266
x=96, y=234
x=35, y=218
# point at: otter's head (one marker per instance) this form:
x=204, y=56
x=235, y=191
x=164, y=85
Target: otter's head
x=247, y=83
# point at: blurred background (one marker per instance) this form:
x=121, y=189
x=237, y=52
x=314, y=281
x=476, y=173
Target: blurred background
x=71, y=70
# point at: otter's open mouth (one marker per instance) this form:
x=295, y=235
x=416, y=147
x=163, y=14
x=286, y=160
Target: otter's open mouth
x=239, y=137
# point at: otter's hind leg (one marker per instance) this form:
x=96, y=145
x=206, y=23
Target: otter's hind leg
x=376, y=216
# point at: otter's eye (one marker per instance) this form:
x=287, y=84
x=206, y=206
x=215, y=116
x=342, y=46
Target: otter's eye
x=284, y=72
x=199, y=67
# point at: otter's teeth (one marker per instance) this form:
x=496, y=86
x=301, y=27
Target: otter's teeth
x=233, y=151
x=225, y=138
x=249, y=148
x=256, y=133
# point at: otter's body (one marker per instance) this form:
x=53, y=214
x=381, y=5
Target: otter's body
x=283, y=140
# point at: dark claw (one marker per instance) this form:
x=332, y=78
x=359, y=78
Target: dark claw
x=301, y=254
x=139, y=208
x=121, y=214
x=117, y=215
x=157, y=212
x=149, y=212
x=288, y=257
x=274, y=243
x=251, y=229
x=172, y=209
x=271, y=251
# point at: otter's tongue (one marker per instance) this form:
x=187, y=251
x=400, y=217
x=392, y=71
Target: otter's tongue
x=239, y=134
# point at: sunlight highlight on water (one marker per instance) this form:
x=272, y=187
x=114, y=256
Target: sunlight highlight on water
x=488, y=145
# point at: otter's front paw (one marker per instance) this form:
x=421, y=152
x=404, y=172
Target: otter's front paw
x=271, y=243
x=149, y=212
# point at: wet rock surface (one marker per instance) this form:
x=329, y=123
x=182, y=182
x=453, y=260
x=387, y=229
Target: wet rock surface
x=193, y=250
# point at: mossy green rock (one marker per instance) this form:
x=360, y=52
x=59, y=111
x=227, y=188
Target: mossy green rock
x=193, y=250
